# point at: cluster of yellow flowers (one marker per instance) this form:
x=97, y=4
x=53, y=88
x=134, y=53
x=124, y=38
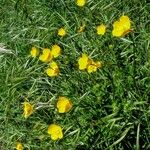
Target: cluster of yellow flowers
x=120, y=28
x=55, y=131
x=86, y=63
x=63, y=105
x=48, y=56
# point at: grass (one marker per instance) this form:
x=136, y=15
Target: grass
x=110, y=107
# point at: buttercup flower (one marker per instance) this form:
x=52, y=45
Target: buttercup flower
x=63, y=104
x=53, y=70
x=46, y=55
x=101, y=29
x=93, y=66
x=83, y=62
x=122, y=26
x=80, y=3
x=28, y=109
x=55, y=132
x=34, y=52
x=81, y=28
x=56, y=51
x=86, y=63
x=62, y=32
x=19, y=146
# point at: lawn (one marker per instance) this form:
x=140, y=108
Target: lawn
x=110, y=106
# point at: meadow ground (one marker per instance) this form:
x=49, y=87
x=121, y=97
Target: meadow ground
x=110, y=106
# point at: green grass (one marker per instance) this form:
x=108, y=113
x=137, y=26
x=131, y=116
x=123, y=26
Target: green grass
x=110, y=107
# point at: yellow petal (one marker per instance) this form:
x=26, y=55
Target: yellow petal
x=116, y=24
x=54, y=137
x=98, y=64
x=46, y=55
x=126, y=23
x=52, y=72
x=43, y=58
x=94, y=66
x=46, y=51
x=91, y=68
x=53, y=65
x=117, y=32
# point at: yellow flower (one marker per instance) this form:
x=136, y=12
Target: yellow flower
x=81, y=28
x=101, y=29
x=83, y=62
x=62, y=32
x=93, y=66
x=53, y=70
x=80, y=3
x=19, y=146
x=63, y=105
x=46, y=55
x=55, y=132
x=56, y=51
x=28, y=109
x=122, y=26
x=34, y=52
